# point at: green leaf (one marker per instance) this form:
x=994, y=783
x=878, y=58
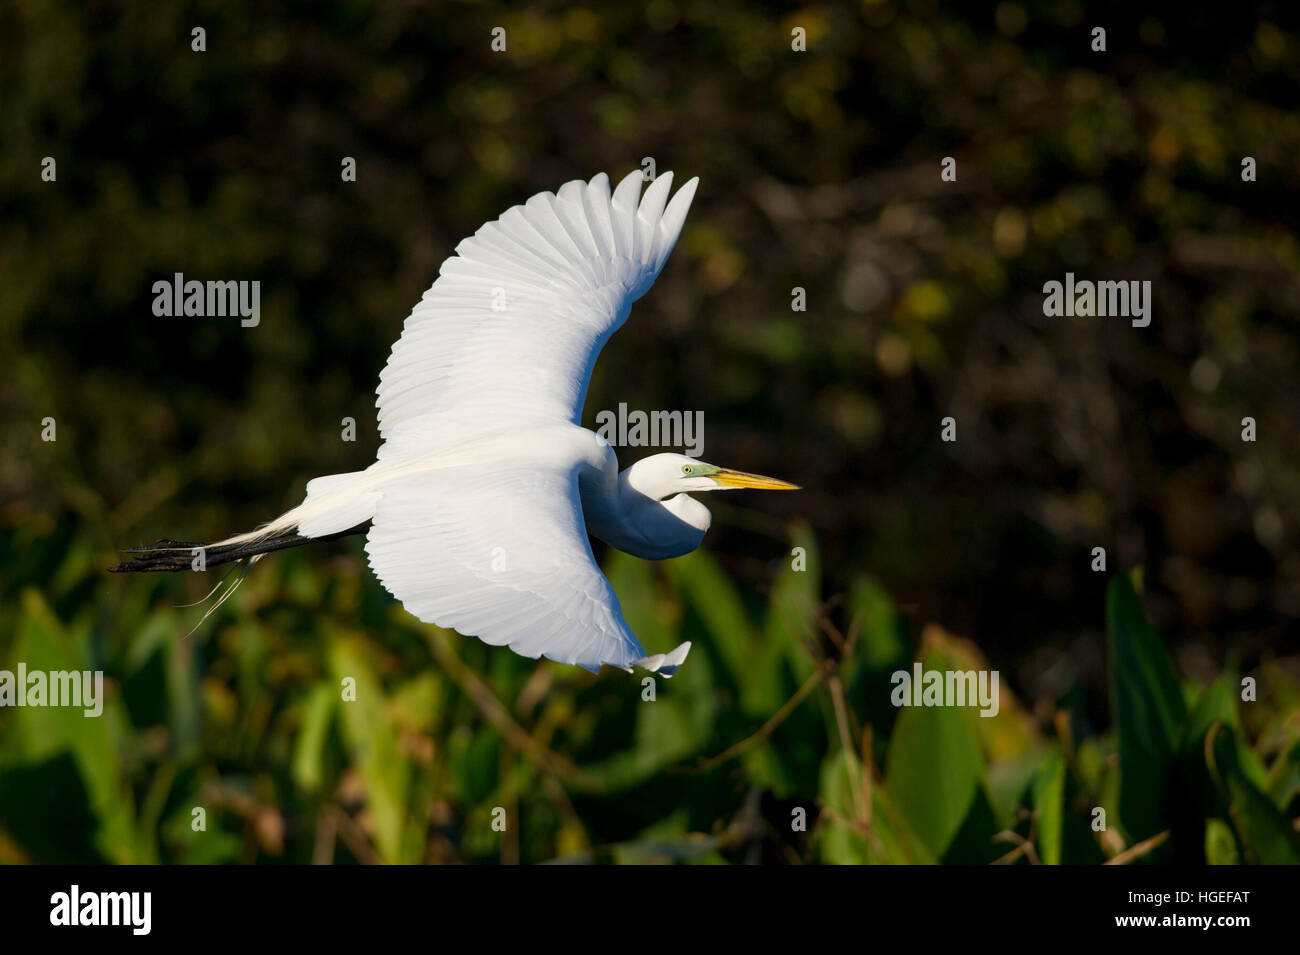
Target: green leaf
x=794, y=605
x=1214, y=704
x=1049, y=808
x=1217, y=703
x=892, y=841
x=1265, y=834
x=309, y=747
x=935, y=770
x=39, y=734
x=1284, y=776
x=1220, y=843
x=372, y=742
x=840, y=843
x=883, y=648
x=882, y=634
x=900, y=844
x=212, y=845
x=634, y=581
x=751, y=664
x=1148, y=709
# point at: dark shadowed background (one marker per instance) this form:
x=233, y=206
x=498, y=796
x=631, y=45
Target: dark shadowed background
x=819, y=170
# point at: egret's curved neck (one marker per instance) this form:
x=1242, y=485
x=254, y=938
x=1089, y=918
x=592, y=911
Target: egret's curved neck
x=632, y=520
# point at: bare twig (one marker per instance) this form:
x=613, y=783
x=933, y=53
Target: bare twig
x=1138, y=850
x=779, y=717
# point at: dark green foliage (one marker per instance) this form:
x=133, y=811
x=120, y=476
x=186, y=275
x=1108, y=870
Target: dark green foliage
x=307, y=733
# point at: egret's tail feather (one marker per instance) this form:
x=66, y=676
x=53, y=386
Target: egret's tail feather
x=170, y=555
x=336, y=505
x=226, y=596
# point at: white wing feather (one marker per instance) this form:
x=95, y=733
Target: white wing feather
x=504, y=557
x=512, y=326
x=505, y=340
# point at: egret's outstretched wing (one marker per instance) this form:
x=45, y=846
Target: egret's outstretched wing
x=509, y=331
x=502, y=554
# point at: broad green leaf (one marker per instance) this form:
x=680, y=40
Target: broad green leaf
x=372, y=742
x=892, y=841
x=1148, y=709
x=41, y=733
x=935, y=770
x=899, y=843
x=1012, y=748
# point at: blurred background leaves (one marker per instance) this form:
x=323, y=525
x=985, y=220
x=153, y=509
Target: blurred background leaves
x=819, y=170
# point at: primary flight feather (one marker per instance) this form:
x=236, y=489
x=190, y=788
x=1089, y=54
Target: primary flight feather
x=486, y=486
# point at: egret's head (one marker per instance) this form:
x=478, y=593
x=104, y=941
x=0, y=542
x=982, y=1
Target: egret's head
x=663, y=475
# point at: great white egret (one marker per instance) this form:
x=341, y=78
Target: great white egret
x=486, y=486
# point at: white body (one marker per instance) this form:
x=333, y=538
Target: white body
x=485, y=486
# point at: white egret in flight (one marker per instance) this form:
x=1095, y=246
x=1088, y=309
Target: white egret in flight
x=486, y=486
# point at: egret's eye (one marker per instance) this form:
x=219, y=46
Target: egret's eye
x=686, y=469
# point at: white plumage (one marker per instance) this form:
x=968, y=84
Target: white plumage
x=485, y=486
x=511, y=328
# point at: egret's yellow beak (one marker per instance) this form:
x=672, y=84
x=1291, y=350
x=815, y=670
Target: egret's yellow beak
x=730, y=478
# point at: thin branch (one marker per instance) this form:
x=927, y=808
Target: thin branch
x=768, y=728
x=1138, y=850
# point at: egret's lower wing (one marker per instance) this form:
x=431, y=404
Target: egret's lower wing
x=504, y=556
